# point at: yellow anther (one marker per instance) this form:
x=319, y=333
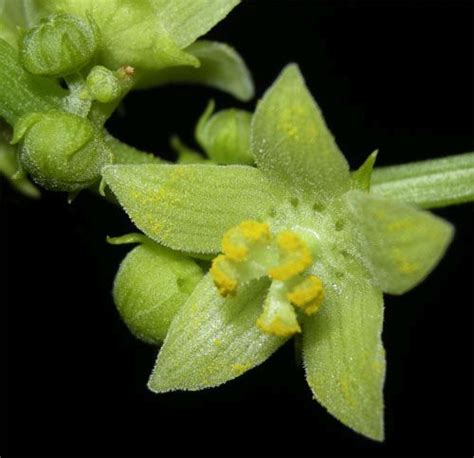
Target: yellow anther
x=221, y=276
x=253, y=230
x=278, y=327
x=233, y=250
x=308, y=295
x=235, y=243
x=295, y=254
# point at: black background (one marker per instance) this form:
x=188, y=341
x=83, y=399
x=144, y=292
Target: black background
x=389, y=75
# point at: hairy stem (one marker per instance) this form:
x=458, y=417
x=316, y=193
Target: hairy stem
x=428, y=184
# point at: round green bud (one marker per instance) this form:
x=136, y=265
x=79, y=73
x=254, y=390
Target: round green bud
x=225, y=136
x=103, y=85
x=150, y=286
x=59, y=45
x=61, y=151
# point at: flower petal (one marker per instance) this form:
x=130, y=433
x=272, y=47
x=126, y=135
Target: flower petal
x=186, y=20
x=221, y=67
x=401, y=243
x=343, y=353
x=292, y=143
x=189, y=207
x=213, y=340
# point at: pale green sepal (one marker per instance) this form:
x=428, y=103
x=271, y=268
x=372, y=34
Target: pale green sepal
x=221, y=68
x=151, y=285
x=213, y=339
x=186, y=21
x=343, y=352
x=292, y=144
x=362, y=176
x=189, y=207
x=401, y=244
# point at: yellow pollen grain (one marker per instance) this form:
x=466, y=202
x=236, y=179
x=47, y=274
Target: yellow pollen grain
x=278, y=327
x=225, y=283
x=309, y=294
x=217, y=342
x=253, y=230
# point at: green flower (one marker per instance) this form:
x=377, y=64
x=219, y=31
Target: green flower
x=306, y=248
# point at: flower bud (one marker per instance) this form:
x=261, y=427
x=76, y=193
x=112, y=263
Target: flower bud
x=59, y=45
x=61, y=151
x=103, y=85
x=225, y=136
x=151, y=285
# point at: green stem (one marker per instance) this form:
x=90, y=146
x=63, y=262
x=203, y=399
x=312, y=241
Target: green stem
x=428, y=184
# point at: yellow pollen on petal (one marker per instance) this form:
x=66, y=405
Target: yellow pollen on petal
x=296, y=256
x=308, y=295
x=278, y=327
x=240, y=368
x=224, y=282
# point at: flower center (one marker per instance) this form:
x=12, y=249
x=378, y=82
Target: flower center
x=250, y=251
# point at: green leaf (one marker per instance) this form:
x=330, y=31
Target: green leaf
x=13, y=15
x=402, y=244
x=343, y=352
x=213, y=340
x=189, y=207
x=292, y=143
x=20, y=92
x=152, y=283
x=221, y=67
x=186, y=21
x=362, y=176
x=20, y=13
x=428, y=184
